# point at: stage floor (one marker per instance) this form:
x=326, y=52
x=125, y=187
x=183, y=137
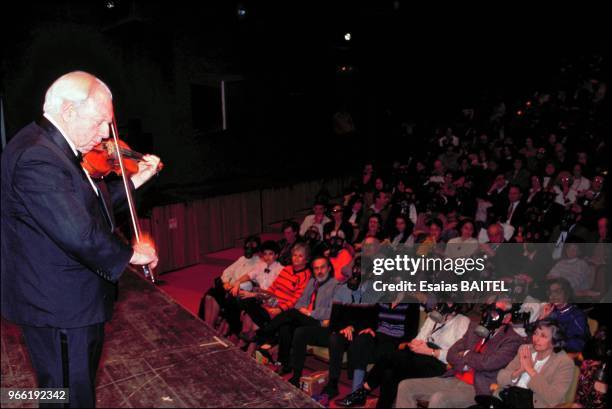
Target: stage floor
x=157, y=354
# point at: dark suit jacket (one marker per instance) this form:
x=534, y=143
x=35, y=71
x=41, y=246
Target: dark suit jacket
x=499, y=351
x=518, y=216
x=60, y=259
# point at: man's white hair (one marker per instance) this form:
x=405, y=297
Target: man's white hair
x=75, y=87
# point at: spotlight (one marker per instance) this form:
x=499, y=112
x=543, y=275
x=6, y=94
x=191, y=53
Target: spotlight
x=519, y=112
x=347, y=37
x=110, y=4
x=528, y=103
x=241, y=11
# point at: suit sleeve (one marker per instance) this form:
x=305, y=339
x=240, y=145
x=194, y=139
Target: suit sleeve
x=117, y=194
x=51, y=199
x=455, y=355
x=504, y=377
x=497, y=360
x=553, y=390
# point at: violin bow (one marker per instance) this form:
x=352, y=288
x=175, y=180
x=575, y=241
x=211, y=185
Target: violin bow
x=128, y=193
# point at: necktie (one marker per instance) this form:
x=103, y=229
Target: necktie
x=313, y=297
x=510, y=212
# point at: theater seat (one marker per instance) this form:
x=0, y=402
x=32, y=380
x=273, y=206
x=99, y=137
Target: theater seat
x=322, y=353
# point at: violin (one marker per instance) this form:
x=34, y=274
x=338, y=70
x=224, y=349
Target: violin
x=116, y=156
x=103, y=160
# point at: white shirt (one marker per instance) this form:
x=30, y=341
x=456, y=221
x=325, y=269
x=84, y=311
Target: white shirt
x=523, y=380
x=353, y=218
x=564, y=200
x=239, y=268
x=412, y=214
x=444, y=335
x=511, y=210
x=581, y=184
x=73, y=147
x=263, y=278
x=309, y=221
x=457, y=247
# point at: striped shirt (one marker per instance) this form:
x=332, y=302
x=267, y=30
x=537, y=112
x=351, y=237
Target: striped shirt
x=289, y=286
x=391, y=321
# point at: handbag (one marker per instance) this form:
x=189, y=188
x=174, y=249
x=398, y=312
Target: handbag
x=515, y=397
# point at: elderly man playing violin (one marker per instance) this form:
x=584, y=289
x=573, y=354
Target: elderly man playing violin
x=61, y=259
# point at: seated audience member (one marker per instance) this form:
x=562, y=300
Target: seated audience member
x=312, y=309
x=595, y=197
x=503, y=260
x=313, y=239
x=519, y=175
x=353, y=213
x=346, y=294
x=390, y=325
x=450, y=223
x=339, y=256
x=217, y=296
x=569, y=228
x=580, y=183
x=424, y=356
x=338, y=224
x=284, y=291
x=466, y=244
x=475, y=361
x=574, y=269
x=290, y=230
x=402, y=232
x=317, y=219
x=374, y=229
x=513, y=210
x=429, y=243
x=261, y=277
x=536, y=192
x=562, y=188
x=550, y=176
x=571, y=319
x=541, y=370
x=601, y=253
x=264, y=274
x=437, y=173
x=379, y=207
x=498, y=192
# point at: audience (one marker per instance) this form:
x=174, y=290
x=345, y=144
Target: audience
x=338, y=224
x=318, y=219
x=475, y=361
x=574, y=269
x=424, y=356
x=571, y=319
x=218, y=296
x=312, y=309
x=290, y=230
x=518, y=185
x=284, y=291
x=465, y=245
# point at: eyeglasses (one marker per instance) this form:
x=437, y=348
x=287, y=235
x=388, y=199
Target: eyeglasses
x=336, y=210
